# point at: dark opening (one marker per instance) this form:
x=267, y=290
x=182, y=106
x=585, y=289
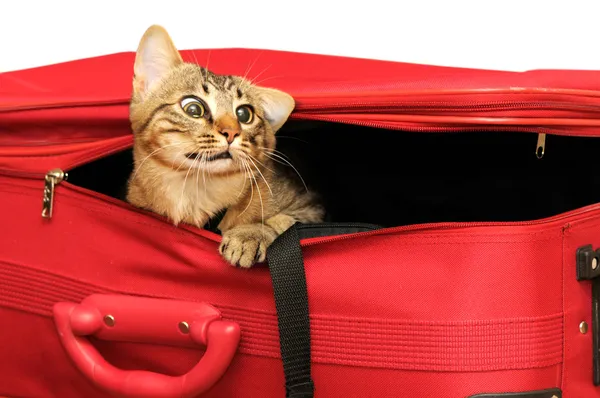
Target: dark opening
x=393, y=178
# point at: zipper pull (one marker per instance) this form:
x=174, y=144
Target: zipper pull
x=53, y=177
x=541, y=145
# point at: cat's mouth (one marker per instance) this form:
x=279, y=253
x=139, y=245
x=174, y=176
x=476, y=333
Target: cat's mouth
x=204, y=158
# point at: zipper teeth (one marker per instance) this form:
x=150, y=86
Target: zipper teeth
x=447, y=105
x=327, y=118
x=80, y=162
x=80, y=104
x=423, y=129
x=448, y=226
x=374, y=231
x=516, y=91
x=372, y=105
x=365, y=105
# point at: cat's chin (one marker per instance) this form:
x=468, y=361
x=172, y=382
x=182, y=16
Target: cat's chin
x=210, y=158
x=220, y=165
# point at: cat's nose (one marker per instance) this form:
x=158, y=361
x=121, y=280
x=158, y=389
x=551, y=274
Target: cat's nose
x=230, y=134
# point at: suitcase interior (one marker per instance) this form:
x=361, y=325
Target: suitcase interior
x=393, y=178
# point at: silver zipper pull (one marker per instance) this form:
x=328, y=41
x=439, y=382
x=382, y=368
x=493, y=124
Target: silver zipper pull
x=541, y=145
x=53, y=177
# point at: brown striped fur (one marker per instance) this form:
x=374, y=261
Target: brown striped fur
x=259, y=203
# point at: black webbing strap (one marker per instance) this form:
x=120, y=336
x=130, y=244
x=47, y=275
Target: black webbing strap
x=286, y=266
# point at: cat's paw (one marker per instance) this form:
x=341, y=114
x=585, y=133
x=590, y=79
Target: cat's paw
x=245, y=245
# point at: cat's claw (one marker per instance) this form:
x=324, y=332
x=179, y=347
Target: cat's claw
x=246, y=245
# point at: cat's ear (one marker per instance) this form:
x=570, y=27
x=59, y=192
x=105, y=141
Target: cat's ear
x=277, y=106
x=156, y=56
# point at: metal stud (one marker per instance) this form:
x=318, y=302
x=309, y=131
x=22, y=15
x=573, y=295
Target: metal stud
x=583, y=327
x=109, y=320
x=595, y=263
x=184, y=327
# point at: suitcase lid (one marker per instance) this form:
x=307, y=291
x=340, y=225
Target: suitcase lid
x=65, y=114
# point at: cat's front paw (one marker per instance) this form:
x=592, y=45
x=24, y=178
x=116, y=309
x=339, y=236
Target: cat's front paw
x=245, y=245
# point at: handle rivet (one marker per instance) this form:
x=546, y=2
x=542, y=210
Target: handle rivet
x=594, y=263
x=109, y=320
x=184, y=327
x=583, y=327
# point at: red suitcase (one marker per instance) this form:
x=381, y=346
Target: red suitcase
x=471, y=270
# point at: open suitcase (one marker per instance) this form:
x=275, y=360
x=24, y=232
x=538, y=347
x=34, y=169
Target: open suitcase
x=458, y=258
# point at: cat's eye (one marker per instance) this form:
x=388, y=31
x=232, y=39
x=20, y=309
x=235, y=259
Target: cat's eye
x=193, y=107
x=245, y=114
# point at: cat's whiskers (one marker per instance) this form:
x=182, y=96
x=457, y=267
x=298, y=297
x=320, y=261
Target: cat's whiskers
x=249, y=174
x=275, y=157
x=195, y=59
x=243, y=186
x=248, y=71
x=249, y=157
x=259, y=162
x=291, y=138
x=273, y=150
x=144, y=160
x=262, y=209
x=252, y=81
x=206, y=67
x=199, y=155
x=203, y=166
x=261, y=81
x=176, y=157
x=155, y=152
x=186, y=177
x=181, y=163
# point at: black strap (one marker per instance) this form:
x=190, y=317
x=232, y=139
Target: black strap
x=291, y=301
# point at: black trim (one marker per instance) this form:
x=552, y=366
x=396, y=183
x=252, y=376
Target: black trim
x=596, y=331
x=588, y=269
x=585, y=260
x=307, y=231
x=286, y=266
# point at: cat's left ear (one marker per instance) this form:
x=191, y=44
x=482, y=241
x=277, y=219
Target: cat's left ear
x=277, y=106
x=156, y=56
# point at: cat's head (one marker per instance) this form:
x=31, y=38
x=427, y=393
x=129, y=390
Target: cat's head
x=186, y=117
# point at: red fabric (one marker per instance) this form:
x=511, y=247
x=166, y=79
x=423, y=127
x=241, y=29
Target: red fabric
x=429, y=312
x=81, y=107
x=455, y=311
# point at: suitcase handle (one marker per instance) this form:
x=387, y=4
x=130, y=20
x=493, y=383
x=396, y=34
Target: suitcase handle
x=140, y=319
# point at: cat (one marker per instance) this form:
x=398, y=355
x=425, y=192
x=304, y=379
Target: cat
x=205, y=143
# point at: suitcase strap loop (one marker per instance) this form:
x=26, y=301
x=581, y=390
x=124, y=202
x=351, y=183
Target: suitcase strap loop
x=286, y=267
x=588, y=269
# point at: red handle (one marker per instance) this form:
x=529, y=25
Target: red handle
x=127, y=318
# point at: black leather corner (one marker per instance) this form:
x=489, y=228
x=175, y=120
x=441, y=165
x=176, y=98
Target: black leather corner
x=552, y=393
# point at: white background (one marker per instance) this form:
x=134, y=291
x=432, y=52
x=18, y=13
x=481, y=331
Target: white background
x=509, y=34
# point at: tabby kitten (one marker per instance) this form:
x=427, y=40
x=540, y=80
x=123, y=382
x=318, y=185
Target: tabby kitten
x=204, y=143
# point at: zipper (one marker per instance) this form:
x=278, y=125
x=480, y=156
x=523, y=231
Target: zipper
x=422, y=110
x=445, y=106
x=421, y=129
x=450, y=225
x=56, y=176
x=541, y=146
x=493, y=105
x=51, y=180
x=430, y=113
